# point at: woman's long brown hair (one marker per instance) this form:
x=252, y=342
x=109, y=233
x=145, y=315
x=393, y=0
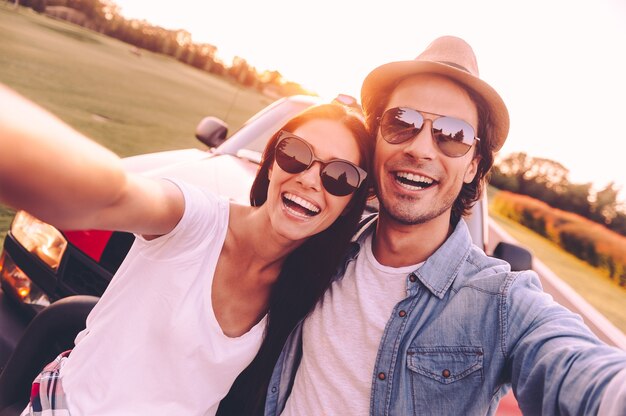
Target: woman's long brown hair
x=307, y=271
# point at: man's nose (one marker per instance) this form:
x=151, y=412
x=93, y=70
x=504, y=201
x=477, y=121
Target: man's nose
x=423, y=145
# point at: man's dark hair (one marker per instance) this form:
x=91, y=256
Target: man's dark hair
x=470, y=192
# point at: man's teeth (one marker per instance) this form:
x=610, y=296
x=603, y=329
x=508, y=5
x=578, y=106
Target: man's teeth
x=413, y=181
x=414, y=178
x=303, y=203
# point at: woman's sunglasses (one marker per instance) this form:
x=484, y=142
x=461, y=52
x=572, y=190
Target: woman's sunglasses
x=339, y=177
x=453, y=136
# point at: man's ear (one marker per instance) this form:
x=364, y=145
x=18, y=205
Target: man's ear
x=470, y=172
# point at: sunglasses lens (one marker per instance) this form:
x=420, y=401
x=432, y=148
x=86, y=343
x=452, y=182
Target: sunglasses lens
x=400, y=124
x=340, y=178
x=293, y=155
x=453, y=136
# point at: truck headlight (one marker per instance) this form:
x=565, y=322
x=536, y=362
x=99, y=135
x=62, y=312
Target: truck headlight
x=15, y=281
x=39, y=238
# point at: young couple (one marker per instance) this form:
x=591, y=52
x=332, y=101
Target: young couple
x=409, y=319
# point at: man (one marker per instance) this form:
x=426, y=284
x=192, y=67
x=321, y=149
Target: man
x=420, y=321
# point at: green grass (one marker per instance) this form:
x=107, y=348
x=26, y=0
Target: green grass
x=6, y=215
x=128, y=103
x=589, y=282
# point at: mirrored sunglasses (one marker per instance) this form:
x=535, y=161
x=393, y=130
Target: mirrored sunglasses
x=454, y=137
x=339, y=177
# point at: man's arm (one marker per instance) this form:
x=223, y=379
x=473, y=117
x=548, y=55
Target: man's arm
x=614, y=397
x=558, y=366
x=63, y=178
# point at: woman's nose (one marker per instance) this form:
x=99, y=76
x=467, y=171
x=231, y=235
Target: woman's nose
x=310, y=178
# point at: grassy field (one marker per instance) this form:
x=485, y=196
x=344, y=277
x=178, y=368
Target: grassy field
x=131, y=104
x=593, y=285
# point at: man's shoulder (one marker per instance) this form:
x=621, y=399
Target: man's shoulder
x=490, y=274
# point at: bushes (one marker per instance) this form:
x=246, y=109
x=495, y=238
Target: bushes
x=583, y=238
x=548, y=181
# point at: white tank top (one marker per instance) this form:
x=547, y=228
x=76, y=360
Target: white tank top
x=152, y=345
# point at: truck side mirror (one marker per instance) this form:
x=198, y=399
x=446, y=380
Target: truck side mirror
x=211, y=131
x=519, y=258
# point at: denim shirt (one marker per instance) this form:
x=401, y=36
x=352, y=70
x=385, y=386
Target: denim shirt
x=467, y=331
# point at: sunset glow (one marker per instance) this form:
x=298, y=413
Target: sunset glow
x=558, y=65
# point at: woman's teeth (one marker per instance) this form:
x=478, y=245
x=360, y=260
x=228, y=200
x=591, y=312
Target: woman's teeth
x=299, y=206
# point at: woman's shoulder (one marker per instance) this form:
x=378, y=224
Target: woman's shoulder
x=197, y=195
x=203, y=208
x=205, y=214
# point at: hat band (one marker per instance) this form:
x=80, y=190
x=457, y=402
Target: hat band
x=457, y=66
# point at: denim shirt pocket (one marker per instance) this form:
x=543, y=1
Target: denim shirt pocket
x=444, y=380
x=445, y=364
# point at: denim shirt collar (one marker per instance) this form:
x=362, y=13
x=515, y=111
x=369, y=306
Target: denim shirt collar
x=438, y=272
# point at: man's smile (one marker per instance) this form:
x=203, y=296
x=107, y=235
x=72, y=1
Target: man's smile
x=413, y=181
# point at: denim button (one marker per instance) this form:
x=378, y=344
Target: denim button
x=381, y=376
x=402, y=314
x=273, y=389
x=413, y=278
x=445, y=373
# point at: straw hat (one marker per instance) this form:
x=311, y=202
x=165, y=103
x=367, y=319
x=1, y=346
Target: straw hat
x=449, y=56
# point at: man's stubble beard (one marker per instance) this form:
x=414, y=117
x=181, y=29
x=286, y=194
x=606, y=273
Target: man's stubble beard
x=408, y=216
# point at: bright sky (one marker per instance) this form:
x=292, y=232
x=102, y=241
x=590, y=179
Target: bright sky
x=559, y=65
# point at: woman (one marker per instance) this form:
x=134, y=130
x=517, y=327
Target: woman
x=205, y=279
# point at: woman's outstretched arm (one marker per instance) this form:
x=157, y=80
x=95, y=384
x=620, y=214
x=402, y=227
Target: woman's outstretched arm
x=57, y=174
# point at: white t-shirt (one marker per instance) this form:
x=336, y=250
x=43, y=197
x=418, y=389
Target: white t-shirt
x=340, y=339
x=152, y=345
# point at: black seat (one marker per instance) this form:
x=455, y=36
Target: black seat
x=51, y=332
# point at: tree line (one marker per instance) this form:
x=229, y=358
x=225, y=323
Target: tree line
x=547, y=181
x=105, y=17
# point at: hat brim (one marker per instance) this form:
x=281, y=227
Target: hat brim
x=384, y=77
